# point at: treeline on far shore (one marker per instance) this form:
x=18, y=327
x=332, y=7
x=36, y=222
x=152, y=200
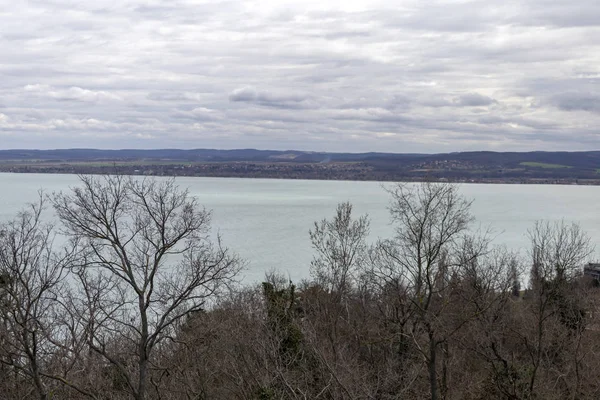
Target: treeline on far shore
x=126, y=296
x=350, y=171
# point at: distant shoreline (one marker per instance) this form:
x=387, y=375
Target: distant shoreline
x=349, y=178
x=563, y=168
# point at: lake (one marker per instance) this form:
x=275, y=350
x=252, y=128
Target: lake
x=266, y=221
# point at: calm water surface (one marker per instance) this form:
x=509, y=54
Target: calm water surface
x=266, y=221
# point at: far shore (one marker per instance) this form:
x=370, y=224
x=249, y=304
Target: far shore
x=258, y=171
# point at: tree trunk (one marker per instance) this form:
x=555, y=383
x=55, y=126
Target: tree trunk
x=445, y=356
x=142, y=350
x=35, y=373
x=432, y=367
x=141, y=391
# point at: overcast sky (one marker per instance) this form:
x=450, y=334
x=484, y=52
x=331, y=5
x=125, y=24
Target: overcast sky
x=335, y=75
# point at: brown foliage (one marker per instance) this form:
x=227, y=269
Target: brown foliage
x=434, y=312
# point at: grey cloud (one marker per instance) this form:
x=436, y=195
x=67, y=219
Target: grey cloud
x=577, y=101
x=268, y=99
x=378, y=115
x=197, y=114
x=244, y=94
x=583, y=13
x=473, y=100
x=463, y=100
x=517, y=121
x=437, y=102
x=361, y=76
x=552, y=87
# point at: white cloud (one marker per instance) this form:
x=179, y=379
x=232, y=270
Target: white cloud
x=350, y=75
x=73, y=93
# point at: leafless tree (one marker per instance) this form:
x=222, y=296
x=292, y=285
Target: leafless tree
x=558, y=251
x=33, y=277
x=147, y=263
x=431, y=219
x=341, y=248
x=486, y=292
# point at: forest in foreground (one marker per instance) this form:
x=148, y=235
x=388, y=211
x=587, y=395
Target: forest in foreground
x=126, y=296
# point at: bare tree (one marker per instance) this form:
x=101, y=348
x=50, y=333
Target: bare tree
x=486, y=291
x=430, y=219
x=147, y=263
x=341, y=251
x=33, y=277
x=558, y=251
x=341, y=248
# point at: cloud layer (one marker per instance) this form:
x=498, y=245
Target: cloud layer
x=402, y=76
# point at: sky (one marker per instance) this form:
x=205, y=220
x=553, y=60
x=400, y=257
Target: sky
x=330, y=75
